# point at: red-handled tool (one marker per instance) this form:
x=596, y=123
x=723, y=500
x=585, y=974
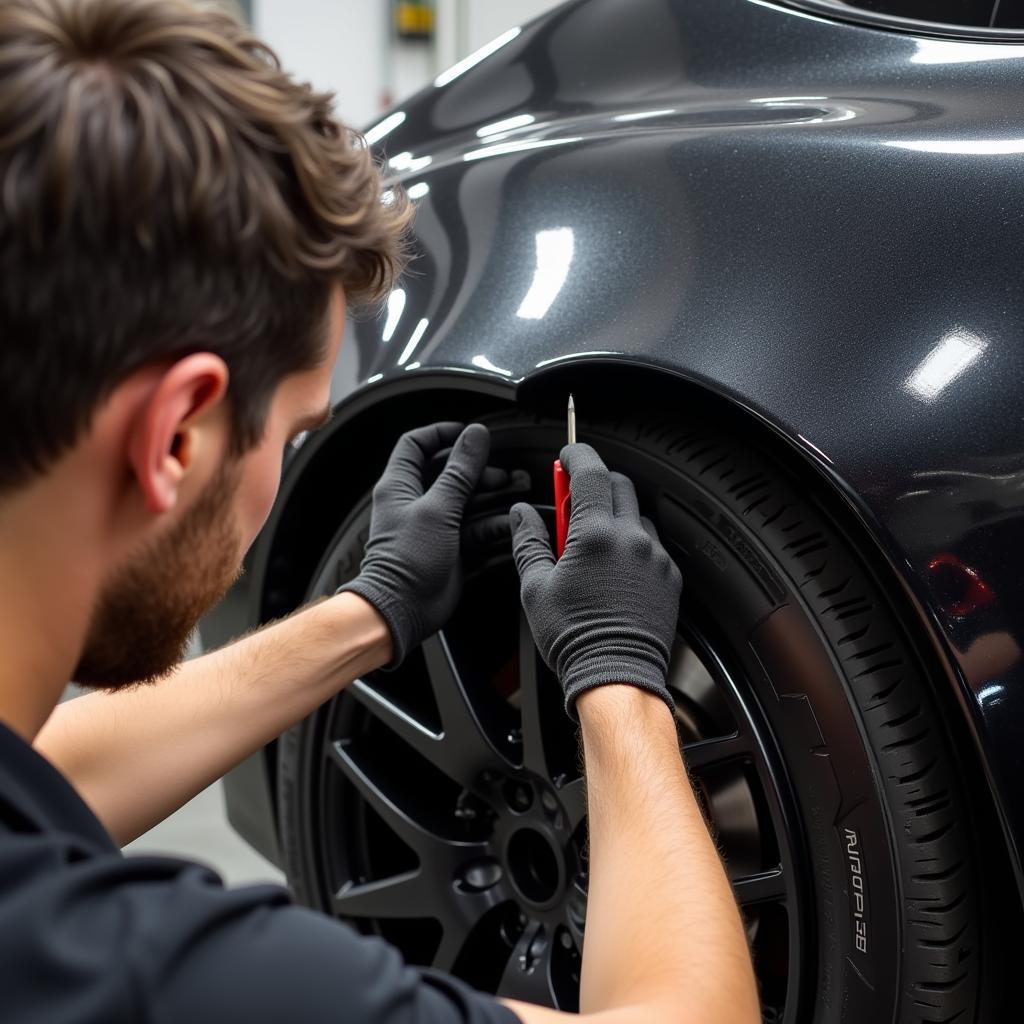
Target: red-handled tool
x=563, y=504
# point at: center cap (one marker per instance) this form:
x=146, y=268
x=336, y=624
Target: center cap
x=535, y=865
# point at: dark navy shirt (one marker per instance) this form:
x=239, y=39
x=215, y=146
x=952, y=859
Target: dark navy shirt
x=88, y=936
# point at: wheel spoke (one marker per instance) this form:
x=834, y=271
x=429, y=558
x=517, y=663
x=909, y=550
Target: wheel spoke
x=467, y=908
x=706, y=754
x=764, y=887
x=459, y=914
x=453, y=938
x=574, y=799
x=534, y=757
x=528, y=972
x=433, y=850
x=465, y=750
x=407, y=728
x=410, y=894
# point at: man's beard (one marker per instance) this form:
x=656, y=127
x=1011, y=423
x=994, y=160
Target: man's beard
x=145, y=614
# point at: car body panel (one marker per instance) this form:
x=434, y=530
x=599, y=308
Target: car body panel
x=818, y=221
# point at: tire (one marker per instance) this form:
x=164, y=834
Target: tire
x=853, y=858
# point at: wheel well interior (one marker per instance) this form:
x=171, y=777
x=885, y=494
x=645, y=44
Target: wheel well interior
x=343, y=466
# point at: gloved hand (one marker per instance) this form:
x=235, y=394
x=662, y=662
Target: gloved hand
x=606, y=611
x=411, y=569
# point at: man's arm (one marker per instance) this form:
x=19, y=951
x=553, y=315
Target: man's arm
x=664, y=942
x=137, y=755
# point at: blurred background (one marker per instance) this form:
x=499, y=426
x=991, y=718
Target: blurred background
x=371, y=54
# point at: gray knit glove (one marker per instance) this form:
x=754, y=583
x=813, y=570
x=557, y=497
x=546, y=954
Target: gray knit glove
x=411, y=572
x=606, y=611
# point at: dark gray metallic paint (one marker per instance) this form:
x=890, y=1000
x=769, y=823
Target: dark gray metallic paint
x=820, y=221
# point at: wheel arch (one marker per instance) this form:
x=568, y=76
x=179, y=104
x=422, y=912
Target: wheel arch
x=322, y=478
x=371, y=418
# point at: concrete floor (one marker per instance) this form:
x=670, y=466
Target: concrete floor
x=200, y=832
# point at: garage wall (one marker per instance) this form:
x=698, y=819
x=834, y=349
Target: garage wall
x=345, y=45
x=334, y=44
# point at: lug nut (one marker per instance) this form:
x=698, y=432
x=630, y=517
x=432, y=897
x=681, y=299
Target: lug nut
x=466, y=807
x=518, y=795
x=479, y=875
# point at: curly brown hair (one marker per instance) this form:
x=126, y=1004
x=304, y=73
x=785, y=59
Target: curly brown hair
x=166, y=188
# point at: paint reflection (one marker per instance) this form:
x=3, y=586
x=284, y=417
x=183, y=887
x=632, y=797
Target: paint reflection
x=474, y=58
x=555, y=250
x=396, y=306
x=383, y=127
x=413, y=341
x=948, y=360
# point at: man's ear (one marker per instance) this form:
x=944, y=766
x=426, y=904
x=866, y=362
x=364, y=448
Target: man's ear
x=174, y=424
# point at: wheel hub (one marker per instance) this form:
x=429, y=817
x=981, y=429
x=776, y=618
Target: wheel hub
x=537, y=851
x=535, y=866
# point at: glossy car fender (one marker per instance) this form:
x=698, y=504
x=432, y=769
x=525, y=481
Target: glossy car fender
x=819, y=222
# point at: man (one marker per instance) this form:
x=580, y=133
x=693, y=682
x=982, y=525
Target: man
x=181, y=227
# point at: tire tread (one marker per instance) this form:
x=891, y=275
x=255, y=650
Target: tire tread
x=901, y=717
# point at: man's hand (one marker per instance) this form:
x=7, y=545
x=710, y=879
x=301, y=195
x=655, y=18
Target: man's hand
x=411, y=570
x=606, y=611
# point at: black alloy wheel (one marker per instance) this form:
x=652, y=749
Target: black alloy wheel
x=442, y=806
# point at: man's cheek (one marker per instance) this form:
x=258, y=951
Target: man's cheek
x=259, y=499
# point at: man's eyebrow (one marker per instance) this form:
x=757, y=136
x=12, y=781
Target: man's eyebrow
x=314, y=421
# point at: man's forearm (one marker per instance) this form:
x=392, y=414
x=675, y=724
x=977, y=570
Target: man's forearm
x=662, y=925
x=138, y=755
